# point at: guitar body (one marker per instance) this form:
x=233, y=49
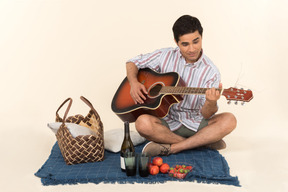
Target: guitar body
x=155, y=104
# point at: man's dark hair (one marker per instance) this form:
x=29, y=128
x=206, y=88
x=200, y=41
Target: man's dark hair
x=186, y=24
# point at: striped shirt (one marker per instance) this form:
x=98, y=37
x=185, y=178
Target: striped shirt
x=202, y=73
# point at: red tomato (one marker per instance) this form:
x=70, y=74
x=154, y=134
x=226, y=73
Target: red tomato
x=157, y=161
x=154, y=170
x=164, y=168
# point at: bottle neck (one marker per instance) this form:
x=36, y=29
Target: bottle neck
x=127, y=130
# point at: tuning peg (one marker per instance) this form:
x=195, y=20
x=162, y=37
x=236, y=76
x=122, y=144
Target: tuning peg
x=229, y=102
x=243, y=103
x=236, y=102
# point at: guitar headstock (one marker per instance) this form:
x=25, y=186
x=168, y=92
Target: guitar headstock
x=233, y=94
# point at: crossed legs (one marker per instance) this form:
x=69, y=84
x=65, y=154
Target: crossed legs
x=218, y=127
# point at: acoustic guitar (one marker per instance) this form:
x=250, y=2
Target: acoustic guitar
x=164, y=90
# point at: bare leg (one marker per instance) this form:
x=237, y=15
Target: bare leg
x=152, y=129
x=218, y=127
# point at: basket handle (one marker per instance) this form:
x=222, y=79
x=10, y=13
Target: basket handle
x=67, y=110
x=89, y=104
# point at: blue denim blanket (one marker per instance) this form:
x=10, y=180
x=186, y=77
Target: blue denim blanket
x=209, y=166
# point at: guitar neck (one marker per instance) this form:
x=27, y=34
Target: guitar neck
x=184, y=90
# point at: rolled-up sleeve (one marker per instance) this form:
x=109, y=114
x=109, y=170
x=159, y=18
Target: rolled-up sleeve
x=149, y=60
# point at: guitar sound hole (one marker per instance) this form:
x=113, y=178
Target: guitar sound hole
x=154, y=91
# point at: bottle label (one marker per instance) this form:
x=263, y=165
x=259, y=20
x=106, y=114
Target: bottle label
x=122, y=163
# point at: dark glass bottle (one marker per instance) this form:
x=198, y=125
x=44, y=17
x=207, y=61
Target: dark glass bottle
x=127, y=145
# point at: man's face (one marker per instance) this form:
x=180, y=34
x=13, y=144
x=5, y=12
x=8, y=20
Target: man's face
x=190, y=46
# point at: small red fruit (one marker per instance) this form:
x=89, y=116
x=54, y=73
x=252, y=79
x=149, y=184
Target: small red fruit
x=180, y=171
x=154, y=170
x=157, y=161
x=164, y=168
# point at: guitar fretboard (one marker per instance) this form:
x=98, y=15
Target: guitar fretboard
x=184, y=90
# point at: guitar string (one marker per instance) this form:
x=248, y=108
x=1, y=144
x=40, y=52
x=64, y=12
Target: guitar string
x=183, y=90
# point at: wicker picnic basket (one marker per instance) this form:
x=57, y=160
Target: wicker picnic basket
x=83, y=148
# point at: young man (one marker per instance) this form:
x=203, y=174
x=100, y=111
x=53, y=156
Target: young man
x=192, y=122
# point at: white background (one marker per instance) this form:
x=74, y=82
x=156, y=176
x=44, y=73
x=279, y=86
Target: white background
x=54, y=49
